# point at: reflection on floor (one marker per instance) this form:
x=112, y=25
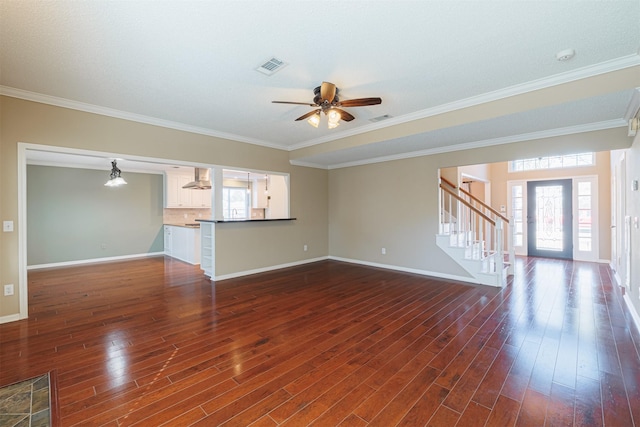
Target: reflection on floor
x=25, y=403
x=151, y=342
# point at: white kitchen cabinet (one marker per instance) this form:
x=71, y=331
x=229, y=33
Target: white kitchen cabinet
x=182, y=243
x=168, y=243
x=184, y=194
x=175, y=195
x=201, y=198
x=259, y=198
x=178, y=197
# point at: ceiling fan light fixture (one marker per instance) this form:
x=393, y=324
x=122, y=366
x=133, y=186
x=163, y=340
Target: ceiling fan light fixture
x=314, y=120
x=326, y=101
x=334, y=118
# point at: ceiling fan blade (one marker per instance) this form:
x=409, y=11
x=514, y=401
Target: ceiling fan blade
x=295, y=103
x=344, y=115
x=360, y=102
x=327, y=91
x=309, y=114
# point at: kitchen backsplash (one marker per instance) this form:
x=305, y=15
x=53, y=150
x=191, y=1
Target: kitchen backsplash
x=184, y=216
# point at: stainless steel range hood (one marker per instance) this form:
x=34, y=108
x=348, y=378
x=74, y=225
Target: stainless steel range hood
x=202, y=180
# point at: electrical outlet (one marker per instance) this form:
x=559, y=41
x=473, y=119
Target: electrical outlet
x=384, y=251
x=305, y=248
x=8, y=290
x=7, y=226
x=103, y=246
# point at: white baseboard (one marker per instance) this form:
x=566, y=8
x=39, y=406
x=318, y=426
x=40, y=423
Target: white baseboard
x=628, y=302
x=265, y=269
x=93, y=260
x=632, y=310
x=410, y=270
x=617, y=277
x=9, y=318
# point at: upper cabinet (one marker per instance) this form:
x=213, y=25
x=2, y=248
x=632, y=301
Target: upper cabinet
x=200, y=198
x=177, y=197
x=259, y=194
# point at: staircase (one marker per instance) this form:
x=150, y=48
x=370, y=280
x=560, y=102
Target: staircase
x=475, y=235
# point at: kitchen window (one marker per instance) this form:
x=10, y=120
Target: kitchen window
x=251, y=194
x=235, y=203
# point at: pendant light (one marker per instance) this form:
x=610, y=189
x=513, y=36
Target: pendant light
x=115, y=180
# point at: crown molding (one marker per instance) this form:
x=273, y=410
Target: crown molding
x=118, y=114
x=534, y=85
x=634, y=105
x=308, y=164
x=609, y=124
x=581, y=73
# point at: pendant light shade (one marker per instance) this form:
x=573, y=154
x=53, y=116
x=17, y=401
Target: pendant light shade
x=115, y=180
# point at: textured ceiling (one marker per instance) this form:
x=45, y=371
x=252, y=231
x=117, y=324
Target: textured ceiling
x=191, y=64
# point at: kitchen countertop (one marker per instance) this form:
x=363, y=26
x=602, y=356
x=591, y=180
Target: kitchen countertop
x=186, y=225
x=221, y=221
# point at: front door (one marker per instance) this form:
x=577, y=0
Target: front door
x=549, y=219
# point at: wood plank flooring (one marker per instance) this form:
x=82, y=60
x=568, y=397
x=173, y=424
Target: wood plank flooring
x=151, y=342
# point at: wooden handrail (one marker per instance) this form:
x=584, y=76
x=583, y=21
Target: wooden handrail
x=495, y=212
x=469, y=205
x=451, y=184
x=475, y=199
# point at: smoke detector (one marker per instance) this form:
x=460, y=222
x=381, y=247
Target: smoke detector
x=565, y=55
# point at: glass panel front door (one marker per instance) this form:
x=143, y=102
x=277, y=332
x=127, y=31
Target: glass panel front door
x=549, y=224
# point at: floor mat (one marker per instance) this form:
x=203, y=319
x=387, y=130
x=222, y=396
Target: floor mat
x=26, y=403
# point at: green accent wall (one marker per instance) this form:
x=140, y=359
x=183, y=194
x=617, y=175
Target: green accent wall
x=72, y=216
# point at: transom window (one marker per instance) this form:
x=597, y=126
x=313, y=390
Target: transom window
x=553, y=162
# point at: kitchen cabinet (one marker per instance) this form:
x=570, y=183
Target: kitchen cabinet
x=178, y=197
x=259, y=199
x=168, y=243
x=182, y=243
x=200, y=198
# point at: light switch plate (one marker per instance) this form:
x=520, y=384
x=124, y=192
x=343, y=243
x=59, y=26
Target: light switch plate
x=7, y=226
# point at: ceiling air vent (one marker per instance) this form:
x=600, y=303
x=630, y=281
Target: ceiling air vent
x=271, y=66
x=380, y=118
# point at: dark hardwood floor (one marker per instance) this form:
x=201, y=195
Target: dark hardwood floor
x=151, y=342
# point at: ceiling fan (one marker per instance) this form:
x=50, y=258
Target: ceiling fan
x=327, y=101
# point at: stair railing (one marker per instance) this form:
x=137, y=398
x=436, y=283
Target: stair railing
x=465, y=217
